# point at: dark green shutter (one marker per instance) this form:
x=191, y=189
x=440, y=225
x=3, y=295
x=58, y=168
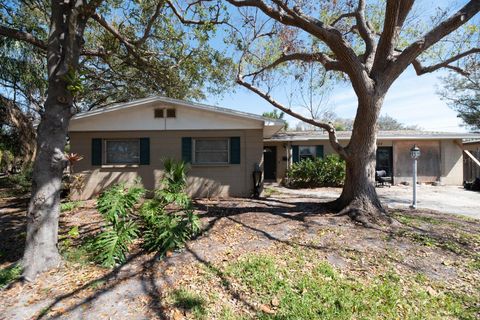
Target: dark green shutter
x=319, y=151
x=187, y=149
x=145, y=151
x=235, y=150
x=96, y=152
x=295, y=154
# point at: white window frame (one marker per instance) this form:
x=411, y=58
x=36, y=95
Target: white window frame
x=314, y=154
x=120, y=163
x=194, y=153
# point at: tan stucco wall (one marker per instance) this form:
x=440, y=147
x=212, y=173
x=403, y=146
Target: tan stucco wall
x=204, y=180
x=441, y=160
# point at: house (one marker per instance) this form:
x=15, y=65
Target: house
x=440, y=161
x=123, y=142
x=127, y=141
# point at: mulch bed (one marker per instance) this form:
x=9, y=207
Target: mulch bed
x=439, y=246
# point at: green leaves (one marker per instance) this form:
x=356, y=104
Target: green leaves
x=329, y=171
x=169, y=218
x=117, y=202
x=111, y=245
x=116, y=205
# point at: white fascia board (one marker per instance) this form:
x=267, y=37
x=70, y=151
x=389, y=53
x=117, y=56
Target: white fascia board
x=187, y=104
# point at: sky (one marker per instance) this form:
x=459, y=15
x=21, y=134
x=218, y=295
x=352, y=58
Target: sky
x=411, y=100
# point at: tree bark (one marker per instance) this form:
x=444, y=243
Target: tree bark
x=64, y=47
x=359, y=199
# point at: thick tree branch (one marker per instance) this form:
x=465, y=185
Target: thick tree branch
x=396, y=12
x=149, y=25
x=365, y=33
x=40, y=44
x=326, y=126
x=419, y=69
x=23, y=36
x=411, y=53
x=332, y=37
x=326, y=61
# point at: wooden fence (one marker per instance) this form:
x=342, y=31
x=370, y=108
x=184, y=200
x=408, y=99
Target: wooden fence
x=471, y=169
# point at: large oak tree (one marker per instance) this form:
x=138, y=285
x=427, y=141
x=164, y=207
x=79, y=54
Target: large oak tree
x=370, y=45
x=96, y=50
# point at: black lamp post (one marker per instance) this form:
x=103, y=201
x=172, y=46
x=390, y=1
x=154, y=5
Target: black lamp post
x=257, y=181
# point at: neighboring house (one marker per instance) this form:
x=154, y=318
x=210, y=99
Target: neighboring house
x=130, y=140
x=440, y=161
x=471, y=160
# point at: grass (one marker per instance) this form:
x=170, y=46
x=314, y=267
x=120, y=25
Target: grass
x=318, y=291
x=9, y=275
x=70, y=205
x=267, y=192
x=190, y=301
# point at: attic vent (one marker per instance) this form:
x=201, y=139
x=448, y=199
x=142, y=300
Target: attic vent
x=171, y=113
x=158, y=113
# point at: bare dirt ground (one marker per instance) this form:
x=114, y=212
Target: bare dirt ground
x=442, y=248
x=446, y=199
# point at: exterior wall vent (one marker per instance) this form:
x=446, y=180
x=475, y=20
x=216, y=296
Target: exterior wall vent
x=171, y=113
x=158, y=113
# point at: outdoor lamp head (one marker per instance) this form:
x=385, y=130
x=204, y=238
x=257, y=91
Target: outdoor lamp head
x=415, y=152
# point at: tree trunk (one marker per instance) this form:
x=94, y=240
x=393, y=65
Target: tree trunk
x=41, y=251
x=64, y=45
x=359, y=199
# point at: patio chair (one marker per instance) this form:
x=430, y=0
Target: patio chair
x=381, y=178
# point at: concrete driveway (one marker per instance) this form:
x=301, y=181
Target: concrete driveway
x=447, y=199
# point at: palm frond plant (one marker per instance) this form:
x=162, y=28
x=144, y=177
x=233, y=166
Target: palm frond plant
x=116, y=205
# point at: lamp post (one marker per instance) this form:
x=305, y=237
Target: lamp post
x=257, y=181
x=415, y=154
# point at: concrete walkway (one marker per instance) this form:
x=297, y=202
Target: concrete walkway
x=447, y=199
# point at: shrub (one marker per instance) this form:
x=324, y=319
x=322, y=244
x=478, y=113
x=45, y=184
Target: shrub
x=169, y=219
x=326, y=172
x=116, y=205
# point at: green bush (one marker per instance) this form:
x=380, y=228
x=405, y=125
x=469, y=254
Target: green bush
x=166, y=222
x=326, y=172
x=169, y=219
x=116, y=205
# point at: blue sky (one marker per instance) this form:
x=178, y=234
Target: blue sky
x=412, y=100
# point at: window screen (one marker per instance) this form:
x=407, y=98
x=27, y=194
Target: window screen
x=211, y=150
x=122, y=151
x=306, y=152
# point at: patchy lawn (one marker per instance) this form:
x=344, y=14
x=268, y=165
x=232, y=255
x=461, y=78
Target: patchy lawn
x=282, y=257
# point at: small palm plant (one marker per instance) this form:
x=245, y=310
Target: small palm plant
x=169, y=218
x=116, y=205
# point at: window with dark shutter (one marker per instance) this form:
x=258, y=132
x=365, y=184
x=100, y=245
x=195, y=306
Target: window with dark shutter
x=187, y=149
x=171, y=113
x=144, y=151
x=235, y=150
x=158, y=113
x=295, y=154
x=96, y=152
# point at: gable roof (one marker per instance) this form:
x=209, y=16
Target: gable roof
x=382, y=135
x=103, y=117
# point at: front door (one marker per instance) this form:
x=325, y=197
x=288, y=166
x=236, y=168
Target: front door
x=385, y=160
x=270, y=163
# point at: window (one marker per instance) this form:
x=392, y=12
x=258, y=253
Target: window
x=122, y=151
x=158, y=113
x=307, y=152
x=171, y=113
x=213, y=150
